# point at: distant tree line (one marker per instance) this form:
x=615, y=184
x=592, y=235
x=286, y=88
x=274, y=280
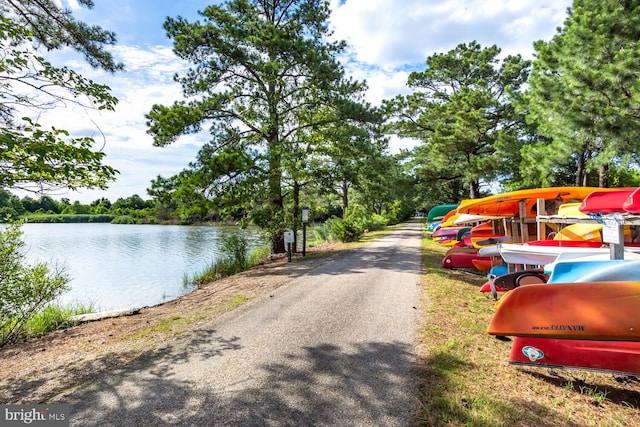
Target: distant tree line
x=46, y=209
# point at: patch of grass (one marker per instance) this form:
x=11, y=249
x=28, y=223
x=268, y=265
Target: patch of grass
x=173, y=325
x=465, y=378
x=53, y=317
x=236, y=301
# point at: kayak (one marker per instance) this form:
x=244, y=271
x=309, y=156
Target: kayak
x=450, y=232
x=606, y=311
x=606, y=201
x=437, y=213
x=596, y=271
x=632, y=204
x=581, y=232
x=508, y=204
x=484, y=264
x=615, y=357
x=461, y=258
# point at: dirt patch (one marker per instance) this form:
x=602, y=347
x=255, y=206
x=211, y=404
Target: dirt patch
x=36, y=370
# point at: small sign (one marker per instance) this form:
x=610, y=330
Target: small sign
x=288, y=236
x=610, y=231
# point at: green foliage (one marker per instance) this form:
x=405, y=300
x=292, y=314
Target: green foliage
x=66, y=218
x=343, y=230
x=53, y=317
x=235, y=246
x=24, y=289
x=54, y=27
x=124, y=219
x=461, y=110
x=323, y=233
x=584, y=95
x=10, y=206
x=31, y=157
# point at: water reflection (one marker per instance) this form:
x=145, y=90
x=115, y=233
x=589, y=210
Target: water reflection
x=118, y=266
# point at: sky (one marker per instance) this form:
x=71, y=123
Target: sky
x=387, y=39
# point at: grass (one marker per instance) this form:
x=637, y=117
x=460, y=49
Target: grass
x=176, y=324
x=52, y=317
x=228, y=265
x=466, y=379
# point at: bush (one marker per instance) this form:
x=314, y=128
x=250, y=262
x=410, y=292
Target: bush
x=24, y=289
x=124, y=219
x=323, y=233
x=344, y=230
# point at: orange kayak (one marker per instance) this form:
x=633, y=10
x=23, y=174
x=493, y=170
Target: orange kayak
x=586, y=311
x=507, y=204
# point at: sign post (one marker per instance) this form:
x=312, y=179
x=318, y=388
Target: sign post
x=613, y=233
x=288, y=240
x=305, y=219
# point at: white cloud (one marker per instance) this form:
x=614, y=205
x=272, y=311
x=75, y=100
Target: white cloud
x=392, y=34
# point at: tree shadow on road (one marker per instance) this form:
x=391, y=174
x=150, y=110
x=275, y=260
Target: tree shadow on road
x=322, y=385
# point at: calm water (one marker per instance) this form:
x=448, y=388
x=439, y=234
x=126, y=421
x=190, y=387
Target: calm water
x=125, y=266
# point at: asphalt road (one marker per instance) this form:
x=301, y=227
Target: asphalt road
x=334, y=347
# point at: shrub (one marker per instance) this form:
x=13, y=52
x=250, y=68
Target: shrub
x=124, y=219
x=24, y=289
x=235, y=247
x=344, y=230
x=323, y=233
x=53, y=317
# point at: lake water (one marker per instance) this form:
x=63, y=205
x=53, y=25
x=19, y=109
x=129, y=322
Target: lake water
x=117, y=266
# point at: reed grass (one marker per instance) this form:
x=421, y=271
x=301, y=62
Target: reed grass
x=53, y=317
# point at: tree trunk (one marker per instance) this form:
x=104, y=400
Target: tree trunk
x=296, y=214
x=603, y=176
x=580, y=175
x=345, y=197
x=474, y=189
x=275, y=196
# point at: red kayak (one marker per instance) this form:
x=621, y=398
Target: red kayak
x=606, y=201
x=450, y=232
x=461, y=258
x=615, y=357
x=632, y=204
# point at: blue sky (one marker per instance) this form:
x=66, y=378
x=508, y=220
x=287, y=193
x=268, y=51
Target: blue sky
x=387, y=39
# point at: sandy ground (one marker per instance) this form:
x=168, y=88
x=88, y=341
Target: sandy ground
x=37, y=370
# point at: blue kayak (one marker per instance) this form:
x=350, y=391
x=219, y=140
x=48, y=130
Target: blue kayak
x=618, y=270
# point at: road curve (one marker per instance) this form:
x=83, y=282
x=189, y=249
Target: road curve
x=332, y=347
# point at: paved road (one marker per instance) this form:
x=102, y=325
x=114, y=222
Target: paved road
x=334, y=347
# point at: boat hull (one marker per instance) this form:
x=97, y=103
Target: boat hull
x=513, y=280
x=461, y=258
x=507, y=204
x=616, y=357
x=607, y=311
x=606, y=201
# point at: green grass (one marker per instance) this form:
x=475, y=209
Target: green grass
x=53, y=317
x=168, y=325
x=227, y=266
